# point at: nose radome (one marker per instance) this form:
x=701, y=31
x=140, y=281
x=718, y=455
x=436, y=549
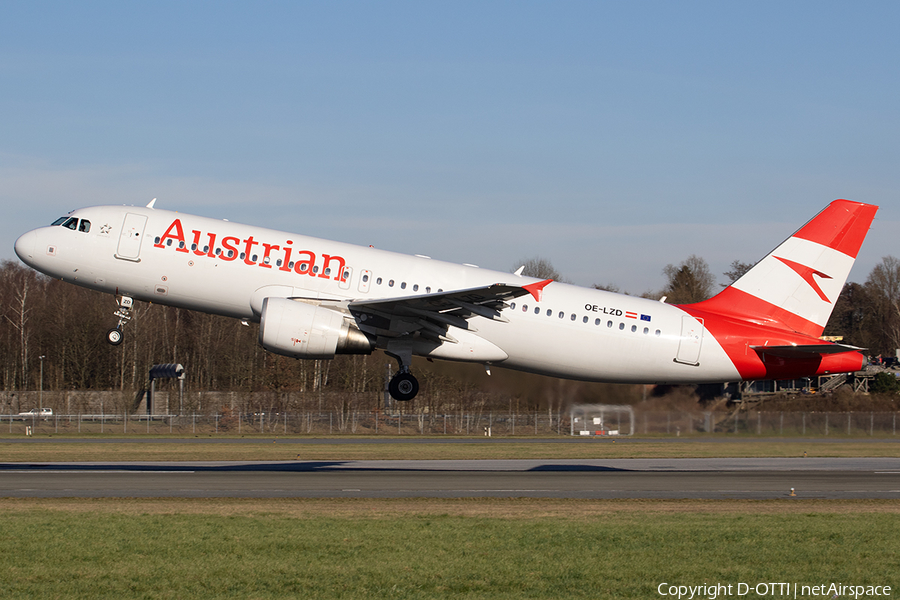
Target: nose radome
x=25, y=247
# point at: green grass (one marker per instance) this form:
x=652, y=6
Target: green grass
x=611, y=554
x=279, y=449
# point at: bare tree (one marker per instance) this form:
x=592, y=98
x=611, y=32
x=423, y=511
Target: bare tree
x=607, y=287
x=690, y=281
x=538, y=267
x=738, y=270
x=883, y=286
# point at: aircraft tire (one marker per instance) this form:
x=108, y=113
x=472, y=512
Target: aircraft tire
x=115, y=336
x=403, y=387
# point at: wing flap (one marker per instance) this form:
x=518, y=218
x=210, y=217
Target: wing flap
x=434, y=313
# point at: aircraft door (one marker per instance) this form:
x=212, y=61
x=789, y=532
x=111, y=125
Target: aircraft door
x=690, y=342
x=131, y=236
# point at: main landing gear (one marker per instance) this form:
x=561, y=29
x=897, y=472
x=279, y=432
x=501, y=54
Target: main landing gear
x=116, y=336
x=403, y=386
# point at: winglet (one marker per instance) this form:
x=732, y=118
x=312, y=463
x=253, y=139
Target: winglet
x=537, y=289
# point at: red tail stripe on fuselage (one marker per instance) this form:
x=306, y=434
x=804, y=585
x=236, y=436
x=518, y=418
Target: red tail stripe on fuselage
x=736, y=333
x=738, y=305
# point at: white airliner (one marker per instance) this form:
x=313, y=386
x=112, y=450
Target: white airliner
x=315, y=298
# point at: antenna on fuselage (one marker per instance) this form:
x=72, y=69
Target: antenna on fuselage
x=152, y=202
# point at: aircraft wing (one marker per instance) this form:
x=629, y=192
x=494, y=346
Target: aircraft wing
x=801, y=351
x=431, y=314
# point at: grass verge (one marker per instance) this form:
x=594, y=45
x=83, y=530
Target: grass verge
x=274, y=449
x=434, y=548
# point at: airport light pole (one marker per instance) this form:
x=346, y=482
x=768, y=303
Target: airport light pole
x=41, y=393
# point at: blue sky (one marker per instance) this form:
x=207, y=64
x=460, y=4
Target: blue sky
x=612, y=138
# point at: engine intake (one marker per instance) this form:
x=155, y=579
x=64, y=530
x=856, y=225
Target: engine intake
x=302, y=330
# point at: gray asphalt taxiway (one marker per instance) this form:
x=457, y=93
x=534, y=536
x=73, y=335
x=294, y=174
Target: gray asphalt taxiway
x=708, y=478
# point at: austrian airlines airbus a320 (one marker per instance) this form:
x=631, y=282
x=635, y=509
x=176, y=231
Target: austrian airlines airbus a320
x=315, y=298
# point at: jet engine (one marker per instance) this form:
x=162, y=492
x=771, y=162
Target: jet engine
x=302, y=330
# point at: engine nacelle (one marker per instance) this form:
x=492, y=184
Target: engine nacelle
x=303, y=330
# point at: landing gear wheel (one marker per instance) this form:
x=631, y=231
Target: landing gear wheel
x=403, y=387
x=115, y=336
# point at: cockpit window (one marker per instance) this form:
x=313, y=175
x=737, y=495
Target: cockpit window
x=72, y=223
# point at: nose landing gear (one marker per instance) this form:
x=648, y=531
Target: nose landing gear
x=116, y=336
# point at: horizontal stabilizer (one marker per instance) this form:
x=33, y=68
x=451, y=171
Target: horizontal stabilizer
x=801, y=351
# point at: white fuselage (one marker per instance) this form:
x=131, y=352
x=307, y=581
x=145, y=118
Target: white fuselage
x=226, y=268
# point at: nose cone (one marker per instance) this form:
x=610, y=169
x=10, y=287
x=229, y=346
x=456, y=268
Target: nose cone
x=25, y=247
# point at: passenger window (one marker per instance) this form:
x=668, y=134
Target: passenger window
x=403, y=285
x=391, y=283
x=537, y=310
x=596, y=321
x=561, y=314
x=416, y=287
x=646, y=330
x=549, y=312
x=524, y=308
x=85, y=226
x=378, y=281
x=621, y=326
x=609, y=324
x=658, y=332
x=169, y=242
x=633, y=328
x=512, y=305
x=584, y=320
x=573, y=316
x=428, y=290
x=365, y=278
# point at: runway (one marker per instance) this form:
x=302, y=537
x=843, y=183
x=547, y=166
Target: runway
x=696, y=478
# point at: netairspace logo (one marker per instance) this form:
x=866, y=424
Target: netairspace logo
x=780, y=589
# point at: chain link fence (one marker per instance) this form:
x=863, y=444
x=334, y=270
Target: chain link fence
x=460, y=423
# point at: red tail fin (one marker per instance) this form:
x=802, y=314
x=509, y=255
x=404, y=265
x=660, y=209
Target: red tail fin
x=796, y=285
